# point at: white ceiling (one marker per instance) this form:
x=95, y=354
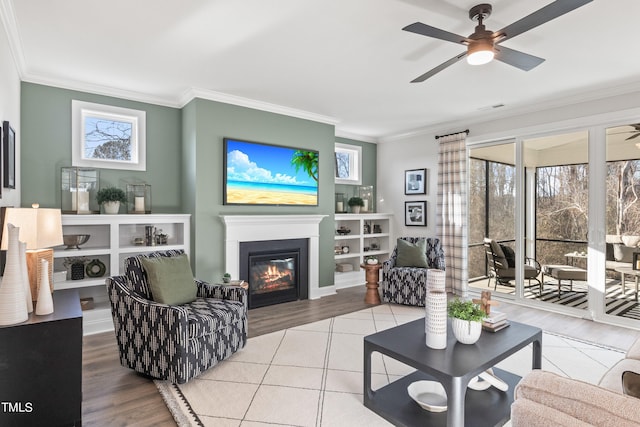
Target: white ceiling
x=341, y=61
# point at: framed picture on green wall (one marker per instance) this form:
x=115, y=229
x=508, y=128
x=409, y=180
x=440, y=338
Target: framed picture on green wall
x=105, y=136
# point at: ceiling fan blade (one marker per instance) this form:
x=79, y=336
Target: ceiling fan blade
x=633, y=136
x=539, y=17
x=518, y=59
x=439, y=68
x=429, y=31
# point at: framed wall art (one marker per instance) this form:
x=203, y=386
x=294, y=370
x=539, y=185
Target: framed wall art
x=415, y=213
x=105, y=136
x=257, y=173
x=8, y=155
x=415, y=181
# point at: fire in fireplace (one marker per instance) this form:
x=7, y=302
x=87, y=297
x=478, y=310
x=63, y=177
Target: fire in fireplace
x=276, y=270
x=272, y=274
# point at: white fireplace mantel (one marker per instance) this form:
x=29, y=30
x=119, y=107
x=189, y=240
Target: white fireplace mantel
x=252, y=228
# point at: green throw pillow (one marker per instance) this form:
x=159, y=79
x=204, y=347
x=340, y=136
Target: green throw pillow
x=170, y=279
x=412, y=254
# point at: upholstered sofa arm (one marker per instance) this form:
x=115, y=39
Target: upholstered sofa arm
x=388, y=265
x=128, y=307
x=228, y=292
x=545, y=398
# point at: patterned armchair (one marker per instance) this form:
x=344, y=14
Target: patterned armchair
x=175, y=343
x=406, y=285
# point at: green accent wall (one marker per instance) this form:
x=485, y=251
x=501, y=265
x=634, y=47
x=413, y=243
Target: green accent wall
x=369, y=169
x=46, y=147
x=184, y=163
x=203, y=157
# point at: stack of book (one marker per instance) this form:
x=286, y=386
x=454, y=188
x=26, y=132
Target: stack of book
x=496, y=321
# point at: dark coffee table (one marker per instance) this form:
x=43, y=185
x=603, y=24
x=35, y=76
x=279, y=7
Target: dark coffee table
x=453, y=367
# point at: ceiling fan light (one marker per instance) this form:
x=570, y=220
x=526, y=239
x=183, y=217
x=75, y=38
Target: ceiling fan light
x=480, y=52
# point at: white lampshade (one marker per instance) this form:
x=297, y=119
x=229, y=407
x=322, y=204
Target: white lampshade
x=39, y=228
x=480, y=52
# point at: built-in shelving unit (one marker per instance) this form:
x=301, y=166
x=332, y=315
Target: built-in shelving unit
x=369, y=235
x=111, y=241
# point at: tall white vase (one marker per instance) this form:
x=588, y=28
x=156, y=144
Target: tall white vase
x=44, y=305
x=13, y=306
x=25, y=276
x=436, y=310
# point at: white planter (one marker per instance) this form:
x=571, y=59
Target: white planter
x=465, y=331
x=355, y=209
x=111, y=207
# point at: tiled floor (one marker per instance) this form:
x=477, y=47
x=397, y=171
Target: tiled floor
x=312, y=375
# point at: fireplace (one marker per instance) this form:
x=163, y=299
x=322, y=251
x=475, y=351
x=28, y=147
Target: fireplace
x=277, y=270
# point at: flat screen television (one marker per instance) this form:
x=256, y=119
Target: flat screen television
x=256, y=173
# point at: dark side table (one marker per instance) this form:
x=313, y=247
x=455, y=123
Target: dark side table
x=41, y=367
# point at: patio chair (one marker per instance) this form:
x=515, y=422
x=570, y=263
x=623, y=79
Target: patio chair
x=502, y=265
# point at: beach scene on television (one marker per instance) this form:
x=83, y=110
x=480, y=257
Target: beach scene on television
x=264, y=174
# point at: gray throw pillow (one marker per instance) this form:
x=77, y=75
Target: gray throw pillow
x=412, y=254
x=510, y=255
x=170, y=279
x=623, y=253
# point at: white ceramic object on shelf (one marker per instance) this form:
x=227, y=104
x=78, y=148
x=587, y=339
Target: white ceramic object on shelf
x=465, y=331
x=13, y=308
x=430, y=395
x=25, y=276
x=44, y=305
x=111, y=208
x=487, y=379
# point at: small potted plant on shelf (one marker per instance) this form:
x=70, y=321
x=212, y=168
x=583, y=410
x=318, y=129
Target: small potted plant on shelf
x=110, y=198
x=226, y=278
x=355, y=203
x=466, y=320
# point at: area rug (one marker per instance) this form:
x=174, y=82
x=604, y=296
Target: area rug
x=617, y=303
x=311, y=375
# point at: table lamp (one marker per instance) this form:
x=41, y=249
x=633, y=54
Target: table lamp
x=40, y=229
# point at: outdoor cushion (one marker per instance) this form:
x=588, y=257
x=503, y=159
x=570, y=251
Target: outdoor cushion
x=510, y=255
x=623, y=253
x=170, y=279
x=412, y=254
x=498, y=255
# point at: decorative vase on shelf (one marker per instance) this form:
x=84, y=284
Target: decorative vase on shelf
x=466, y=331
x=25, y=276
x=111, y=208
x=45, y=300
x=13, y=306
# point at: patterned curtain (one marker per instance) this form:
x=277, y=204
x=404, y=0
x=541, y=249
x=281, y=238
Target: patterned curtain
x=452, y=210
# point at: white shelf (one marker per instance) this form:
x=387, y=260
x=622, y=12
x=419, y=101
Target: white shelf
x=111, y=241
x=357, y=240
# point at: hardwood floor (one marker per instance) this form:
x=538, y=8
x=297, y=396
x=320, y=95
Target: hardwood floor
x=115, y=396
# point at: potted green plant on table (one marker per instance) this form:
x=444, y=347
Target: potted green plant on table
x=110, y=198
x=355, y=203
x=466, y=320
x=226, y=278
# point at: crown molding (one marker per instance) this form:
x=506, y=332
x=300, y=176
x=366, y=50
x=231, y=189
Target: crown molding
x=357, y=137
x=559, y=101
x=7, y=16
x=225, y=98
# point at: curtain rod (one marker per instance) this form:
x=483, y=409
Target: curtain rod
x=449, y=134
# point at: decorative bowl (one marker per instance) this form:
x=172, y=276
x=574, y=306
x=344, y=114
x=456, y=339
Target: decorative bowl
x=430, y=395
x=73, y=241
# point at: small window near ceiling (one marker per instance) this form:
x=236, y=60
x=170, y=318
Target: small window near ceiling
x=348, y=164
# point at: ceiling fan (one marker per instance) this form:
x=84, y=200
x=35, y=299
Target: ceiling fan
x=484, y=45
